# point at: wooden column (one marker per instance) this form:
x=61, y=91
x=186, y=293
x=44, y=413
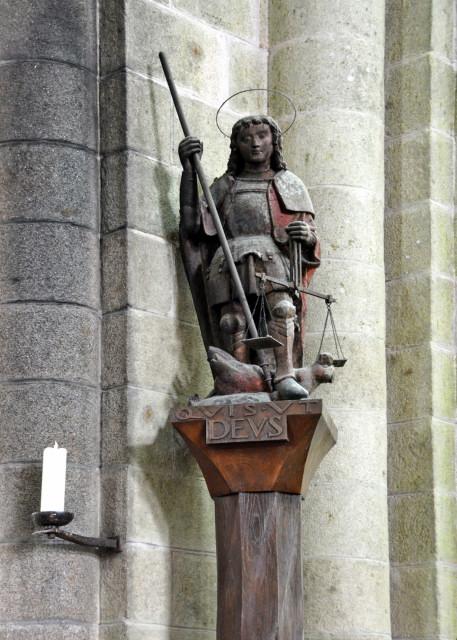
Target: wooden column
x=259, y=573
x=258, y=460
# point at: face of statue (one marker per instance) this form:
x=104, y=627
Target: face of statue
x=255, y=144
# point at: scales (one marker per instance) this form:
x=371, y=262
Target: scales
x=266, y=341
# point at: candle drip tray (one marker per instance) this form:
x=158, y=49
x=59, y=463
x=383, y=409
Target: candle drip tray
x=52, y=519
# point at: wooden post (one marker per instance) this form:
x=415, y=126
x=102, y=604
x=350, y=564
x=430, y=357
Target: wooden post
x=258, y=460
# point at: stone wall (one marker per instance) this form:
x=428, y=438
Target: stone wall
x=50, y=309
x=420, y=174
x=333, y=67
x=164, y=583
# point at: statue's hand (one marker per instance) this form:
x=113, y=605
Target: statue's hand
x=300, y=232
x=186, y=149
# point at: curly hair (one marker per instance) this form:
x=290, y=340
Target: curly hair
x=236, y=163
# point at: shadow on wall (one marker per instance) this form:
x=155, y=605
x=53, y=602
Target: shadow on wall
x=174, y=511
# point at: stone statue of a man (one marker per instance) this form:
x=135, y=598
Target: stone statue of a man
x=264, y=210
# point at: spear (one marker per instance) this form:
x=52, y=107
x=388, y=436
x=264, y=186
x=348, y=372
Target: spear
x=215, y=216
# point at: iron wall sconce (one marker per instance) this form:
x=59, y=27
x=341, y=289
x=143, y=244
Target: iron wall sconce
x=53, y=520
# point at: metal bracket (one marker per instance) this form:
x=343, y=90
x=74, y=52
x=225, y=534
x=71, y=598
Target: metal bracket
x=53, y=520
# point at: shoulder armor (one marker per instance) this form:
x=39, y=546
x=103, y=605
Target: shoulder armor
x=293, y=192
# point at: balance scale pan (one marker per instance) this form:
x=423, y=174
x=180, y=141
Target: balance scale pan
x=340, y=363
x=264, y=342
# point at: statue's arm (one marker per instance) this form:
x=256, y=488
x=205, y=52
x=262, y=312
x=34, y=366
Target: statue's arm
x=189, y=204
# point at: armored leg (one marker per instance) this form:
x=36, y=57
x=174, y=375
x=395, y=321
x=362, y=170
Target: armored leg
x=282, y=322
x=233, y=326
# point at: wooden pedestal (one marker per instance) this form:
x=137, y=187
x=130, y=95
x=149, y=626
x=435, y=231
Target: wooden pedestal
x=258, y=460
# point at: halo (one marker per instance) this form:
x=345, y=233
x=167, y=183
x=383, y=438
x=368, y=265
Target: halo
x=249, y=90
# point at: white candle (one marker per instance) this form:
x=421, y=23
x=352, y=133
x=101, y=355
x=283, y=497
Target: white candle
x=53, y=479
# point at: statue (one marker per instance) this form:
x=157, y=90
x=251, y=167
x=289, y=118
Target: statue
x=268, y=220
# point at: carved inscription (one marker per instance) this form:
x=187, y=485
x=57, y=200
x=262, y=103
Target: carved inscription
x=247, y=423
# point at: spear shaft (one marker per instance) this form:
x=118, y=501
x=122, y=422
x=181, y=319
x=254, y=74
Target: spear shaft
x=215, y=216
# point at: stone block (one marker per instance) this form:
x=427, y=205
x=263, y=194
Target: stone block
x=49, y=29
x=408, y=310
x=442, y=94
x=164, y=512
x=18, y=500
x=136, y=584
x=114, y=252
x=419, y=94
x=194, y=590
x=114, y=349
x=49, y=262
x=202, y=123
x=115, y=510
x=442, y=27
x=33, y=413
x=136, y=116
x=445, y=518
x=168, y=356
x=114, y=586
x=161, y=354
x=351, y=388
x=151, y=273
x=419, y=237
x=413, y=602
x=114, y=114
x=238, y=17
x=409, y=29
x=248, y=67
x=349, y=224
x=140, y=193
x=49, y=341
x=442, y=310
x=443, y=455
x=48, y=631
x=360, y=454
x=307, y=71
x=191, y=48
x=408, y=96
x=359, y=291
x=61, y=583
x=345, y=520
x=409, y=377
x=112, y=35
x=49, y=182
x=447, y=594
x=412, y=529
x=45, y=100
x=21, y=498
x=408, y=241
x=322, y=144
x=442, y=240
x=416, y=27
x=136, y=430
x=341, y=595
x=443, y=383
x=295, y=19
x=410, y=457
x=150, y=506
x=415, y=169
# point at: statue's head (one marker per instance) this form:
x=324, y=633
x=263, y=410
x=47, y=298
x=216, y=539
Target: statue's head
x=236, y=162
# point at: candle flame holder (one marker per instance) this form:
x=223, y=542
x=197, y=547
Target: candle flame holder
x=53, y=520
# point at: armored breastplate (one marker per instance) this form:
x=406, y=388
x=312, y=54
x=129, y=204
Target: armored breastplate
x=247, y=211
